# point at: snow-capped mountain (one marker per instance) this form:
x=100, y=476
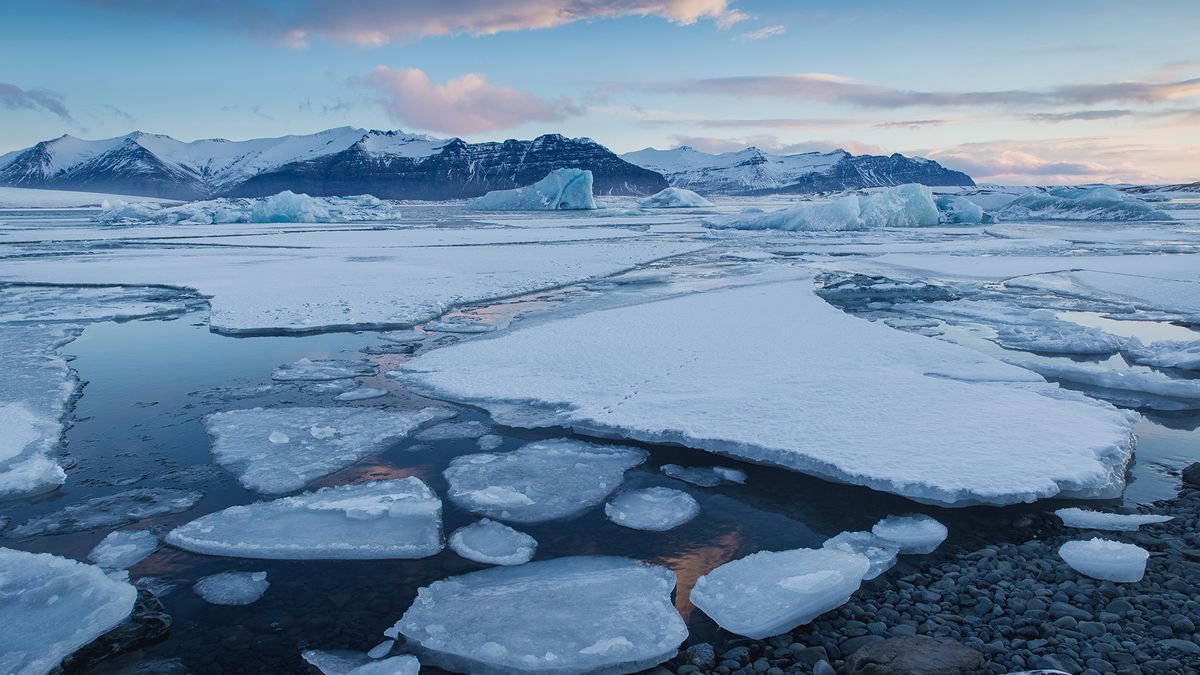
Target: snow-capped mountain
x=335, y=162
x=752, y=171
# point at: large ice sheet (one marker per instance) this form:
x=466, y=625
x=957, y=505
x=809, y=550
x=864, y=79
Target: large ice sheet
x=768, y=593
x=52, y=606
x=592, y=614
x=276, y=450
x=909, y=205
x=655, y=509
x=810, y=388
x=399, y=518
x=561, y=189
x=493, y=543
x=540, y=481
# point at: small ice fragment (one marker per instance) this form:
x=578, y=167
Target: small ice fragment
x=404, y=664
x=232, y=588
x=493, y=543
x=360, y=394
x=915, y=533
x=123, y=549
x=654, y=509
x=381, y=650
x=732, y=475
x=1106, y=559
x=402, y=337
x=489, y=442
x=334, y=662
x=879, y=551
x=702, y=476
x=453, y=431
x=1115, y=522
x=278, y=437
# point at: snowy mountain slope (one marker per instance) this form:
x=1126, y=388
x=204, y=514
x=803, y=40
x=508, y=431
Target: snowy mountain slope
x=752, y=171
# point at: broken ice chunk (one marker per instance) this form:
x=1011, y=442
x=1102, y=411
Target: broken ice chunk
x=704, y=476
x=112, y=510
x=1181, y=354
x=591, y=614
x=453, y=431
x=493, y=543
x=339, y=662
x=673, y=198
x=769, y=593
x=1106, y=559
x=560, y=189
x=654, y=509
x=1116, y=522
x=402, y=337
x=879, y=551
x=361, y=394
x=232, y=588
x=123, y=549
x=914, y=533
x=399, y=518
x=316, y=370
x=489, y=442
x=405, y=664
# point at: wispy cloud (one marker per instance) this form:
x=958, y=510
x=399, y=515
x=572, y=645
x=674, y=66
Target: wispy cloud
x=463, y=105
x=16, y=98
x=764, y=32
x=1070, y=160
x=773, y=144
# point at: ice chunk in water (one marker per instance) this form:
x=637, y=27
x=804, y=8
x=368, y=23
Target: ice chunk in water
x=879, y=551
x=593, y=614
x=311, y=442
x=1117, y=522
x=403, y=337
x=1184, y=355
x=914, y=533
x=404, y=664
x=399, y=518
x=655, y=509
x=309, y=370
x=124, y=549
x=540, y=481
x=489, y=442
x=112, y=510
x=232, y=588
x=361, y=394
x=673, y=198
x=769, y=593
x=1106, y=559
x=357, y=663
x=707, y=476
x=52, y=606
x=1058, y=337
x=730, y=474
x=1064, y=203
x=493, y=543
x=560, y=189
x=909, y=205
x=453, y=431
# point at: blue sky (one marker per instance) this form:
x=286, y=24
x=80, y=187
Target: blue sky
x=1015, y=92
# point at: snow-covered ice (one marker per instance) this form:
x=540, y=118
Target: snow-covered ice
x=561, y=189
x=914, y=533
x=1106, y=559
x=493, y=543
x=909, y=205
x=319, y=370
x=361, y=394
x=879, y=551
x=768, y=593
x=1064, y=203
x=110, y=511
x=673, y=198
x=540, y=481
x=276, y=450
x=1058, y=337
x=655, y=509
x=592, y=614
x=400, y=518
x=52, y=606
x=1184, y=355
x=232, y=588
x=284, y=207
x=31, y=198
x=123, y=549
x=1086, y=519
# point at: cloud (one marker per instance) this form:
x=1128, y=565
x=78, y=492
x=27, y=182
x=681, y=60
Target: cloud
x=16, y=98
x=911, y=124
x=764, y=32
x=773, y=144
x=463, y=105
x=372, y=23
x=1070, y=161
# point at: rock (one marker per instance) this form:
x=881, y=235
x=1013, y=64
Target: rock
x=856, y=643
x=913, y=654
x=1191, y=474
x=1061, y=609
x=149, y=623
x=701, y=655
x=823, y=668
x=1184, y=646
x=809, y=656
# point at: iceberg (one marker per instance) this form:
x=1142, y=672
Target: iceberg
x=561, y=189
x=591, y=614
x=769, y=593
x=123, y=549
x=655, y=509
x=232, y=588
x=493, y=543
x=385, y=519
x=1100, y=203
x=909, y=205
x=1106, y=559
x=540, y=481
x=957, y=210
x=112, y=510
x=284, y=207
x=880, y=552
x=1180, y=354
x=673, y=198
x=276, y=450
x=308, y=370
x=915, y=533
x=52, y=606
x=1085, y=519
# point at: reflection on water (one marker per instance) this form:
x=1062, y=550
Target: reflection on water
x=1146, y=331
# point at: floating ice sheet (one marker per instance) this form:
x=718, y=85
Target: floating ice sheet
x=361, y=394
x=319, y=370
x=1183, y=355
x=879, y=551
x=1097, y=520
x=232, y=588
x=1106, y=559
x=706, y=476
x=493, y=543
x=655, y=509
x=914, y=533
x=123, y=549
x=110, y=511
x=454, y=431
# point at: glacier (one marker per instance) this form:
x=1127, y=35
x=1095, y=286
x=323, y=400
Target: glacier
x=654, y=509
x=493, y=543
x=1063, y=203
x=909, y=205
x=561, y=189
x=232, y=588
x=673, y=198
x=1106, y=559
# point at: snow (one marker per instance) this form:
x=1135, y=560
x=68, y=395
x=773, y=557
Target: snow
x=400, y=518
x=493, y=543
x=540, y=481
x=1101, y=203
x=868, y=397
x=52, y=606
x=561, y=189
x=673, y=198
x=308, y=370
x=909, y=205
x=914, y=533
x=592, y=614
x=28, y=198
x=707, y=476
x=123, y=549
x=957, y=210
x=361, y=394
x=879, y=551
x=1183, y=393
x=1086, y=519
x=311, y=442
x=769, y=593
x=1106, y=559
x=113, y=510
x=232, y=588
x=1184, y=355
x=284, y=207
x=654, y=509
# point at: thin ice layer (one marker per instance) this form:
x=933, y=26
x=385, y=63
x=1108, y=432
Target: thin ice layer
x=493, y=543
x=320, y=370
x=232, y=588
x=655, y=509
x=123, y=549
x=276, y=450
x=385, y=519
x=52, y=606
x=592, y=614
x=110, y=511
x=810, y=388
x=1086, y=519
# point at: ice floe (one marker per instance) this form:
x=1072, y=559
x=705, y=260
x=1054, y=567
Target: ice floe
x=1184, y=355
x=309, y=370
x=123, y=549
x=489, y=442
x=704, y=476
x=909, y=205
x=404, y=664
x=1179, y=393
x=110, y=511
x=914, y=533
x=768, y=593
x=232, y=588
x=1106, y=559
x=493, y=543
x=561, y=189
x=399, y=518
x=655, y=509
x=879, y=551
x=1064, y=203
x=540, y=481
x=593, y=614
x=284, y=207
x=673, y=198
x=276, y=450
x=361, y=394
x=52, y=606
x=1116, y=522
x=454, y=431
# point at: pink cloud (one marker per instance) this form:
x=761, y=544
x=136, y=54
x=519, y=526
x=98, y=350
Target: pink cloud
x=1070, y=161
x=463, y=105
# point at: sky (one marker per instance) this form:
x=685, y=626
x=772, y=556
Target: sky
x=1068, y=91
